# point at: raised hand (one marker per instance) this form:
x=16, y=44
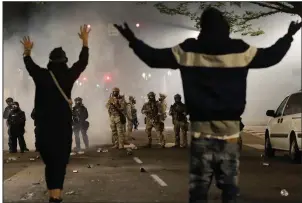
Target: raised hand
x=125, y=31
x=294, y=27
x=27, y=44
x=84, y=33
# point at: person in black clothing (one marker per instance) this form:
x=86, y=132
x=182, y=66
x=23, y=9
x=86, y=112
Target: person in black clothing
x=214, y=71
x=32, y=115
x=53, y=111
x=16, y=123
x=9, y=101
x=79, y=115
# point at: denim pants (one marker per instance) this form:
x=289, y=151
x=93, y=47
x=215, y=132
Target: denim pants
x=212, y=157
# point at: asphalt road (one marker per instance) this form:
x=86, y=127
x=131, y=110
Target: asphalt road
x=114, y=176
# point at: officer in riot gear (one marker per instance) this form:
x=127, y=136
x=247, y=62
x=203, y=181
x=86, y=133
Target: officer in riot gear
x=16, y=124
x=9, y=101
x=152, y=110
x=132, y=121
x=79, y=115
x=179, y=119
x=116, y=106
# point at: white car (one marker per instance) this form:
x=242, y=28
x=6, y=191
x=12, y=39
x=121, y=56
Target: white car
x=284, y=128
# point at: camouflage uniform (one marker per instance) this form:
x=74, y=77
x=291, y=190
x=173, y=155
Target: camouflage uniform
x=163, y=109
x=116, y=108
x=131, y=116
x=179, y=119
x=151, y=110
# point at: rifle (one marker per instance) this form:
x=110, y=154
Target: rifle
x=121, y=114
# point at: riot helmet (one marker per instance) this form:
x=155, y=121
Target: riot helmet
x=177, y=98
x=151, y=96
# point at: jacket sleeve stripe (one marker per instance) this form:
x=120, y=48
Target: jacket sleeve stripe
x=235, y=60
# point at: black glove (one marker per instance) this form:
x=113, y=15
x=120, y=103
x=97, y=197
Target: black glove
x=294, y=27
x=126, y=31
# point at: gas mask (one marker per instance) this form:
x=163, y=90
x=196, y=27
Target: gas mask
x=15, y=106
x=115, y=93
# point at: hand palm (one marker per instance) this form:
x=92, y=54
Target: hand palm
x=27, y=43
x=84, y=32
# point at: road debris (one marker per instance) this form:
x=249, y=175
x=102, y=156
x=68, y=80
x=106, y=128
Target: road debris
x=32, y=159
x=70, y=192
x=105, y=150
x=89, y=165
x=27, y=196
x=129, y=151
x=99, y=150
x=284, y=193
x=75, y=171
x=265, y=164
x=261, y=155
x=38, y=157
x=142, y=169
x=12, y=158
x=36, y=183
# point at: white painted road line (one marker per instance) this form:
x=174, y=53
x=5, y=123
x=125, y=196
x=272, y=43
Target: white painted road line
x=256, y=146
x=137, y=160
x=159, y=180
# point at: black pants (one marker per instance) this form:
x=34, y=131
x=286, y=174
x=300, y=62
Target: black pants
x=15, y=134
x=83, y=128
x=54, y=145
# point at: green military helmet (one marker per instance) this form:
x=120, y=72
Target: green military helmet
x=115, y=89
x=162, y=96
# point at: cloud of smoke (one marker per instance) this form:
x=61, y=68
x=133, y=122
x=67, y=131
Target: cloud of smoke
x=58, y=23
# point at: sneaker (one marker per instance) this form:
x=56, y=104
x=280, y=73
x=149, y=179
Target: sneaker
x=81, y=152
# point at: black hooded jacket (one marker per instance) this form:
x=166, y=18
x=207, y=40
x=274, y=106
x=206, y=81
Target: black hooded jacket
x=51, y=108
x=214, y=71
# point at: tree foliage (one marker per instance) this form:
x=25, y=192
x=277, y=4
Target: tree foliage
x=239, y=23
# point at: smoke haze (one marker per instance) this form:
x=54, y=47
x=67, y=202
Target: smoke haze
x=57, y=24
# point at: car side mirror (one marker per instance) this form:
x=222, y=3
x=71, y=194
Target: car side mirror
x=270, y=113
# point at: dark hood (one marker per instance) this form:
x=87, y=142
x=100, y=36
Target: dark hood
x=214, y=25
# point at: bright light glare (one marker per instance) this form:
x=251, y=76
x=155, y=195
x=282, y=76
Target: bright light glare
x=107, y=78
x=80, y=84
x=137, y=25
x=144, y=75
x=169, y=73
x=97, y=85
x=84, y=78
x=88, y=26
x=149, y=75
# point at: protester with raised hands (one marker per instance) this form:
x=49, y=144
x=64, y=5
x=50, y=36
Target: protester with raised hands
x=214, y=69
x=53, y=114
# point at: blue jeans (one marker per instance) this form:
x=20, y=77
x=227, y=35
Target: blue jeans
x=212, y=157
